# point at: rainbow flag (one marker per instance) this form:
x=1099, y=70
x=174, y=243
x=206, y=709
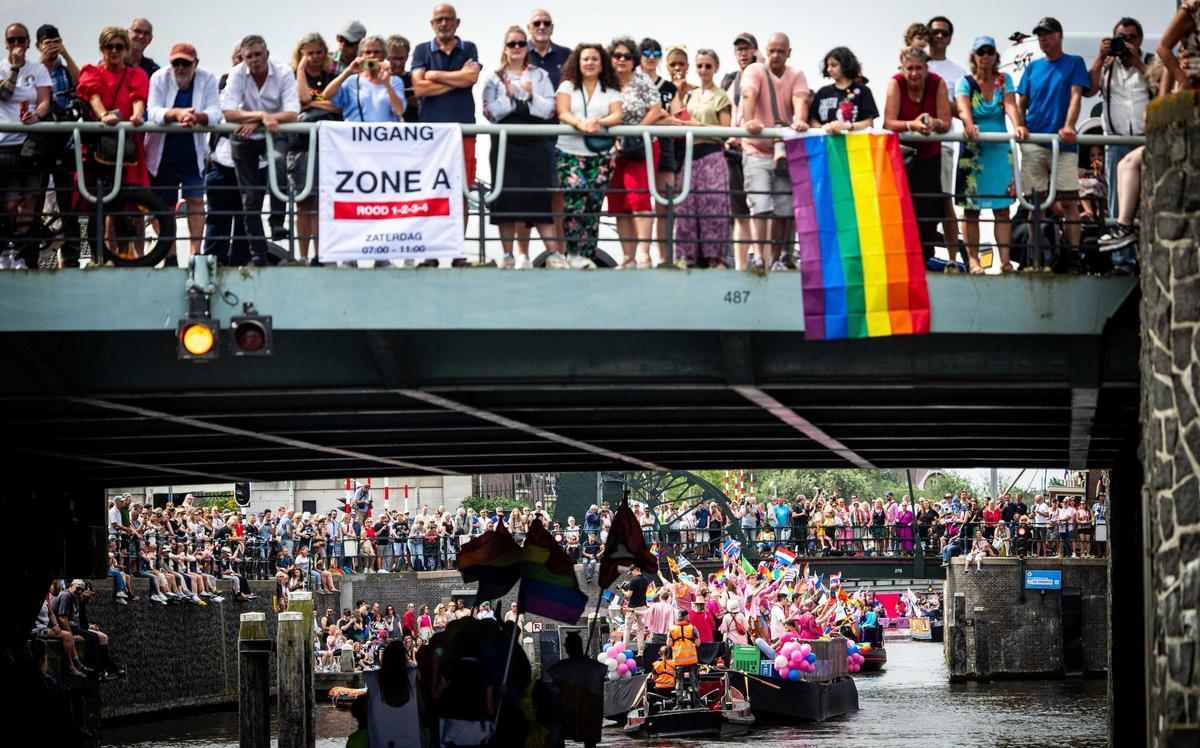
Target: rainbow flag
x=548, y=584
x=493, y=560
x=863, y=272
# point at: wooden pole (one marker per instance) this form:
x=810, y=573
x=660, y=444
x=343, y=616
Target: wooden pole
x=981, y=643
x=301, y=602
x=290, y=646
x=254, y=687
x=958, y=639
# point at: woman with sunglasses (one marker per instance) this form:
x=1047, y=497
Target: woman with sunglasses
x=518, y=93
x=118, y=93
x=629, y=191
x=24, y=98
x=983, y=99
x=315, y=70
x=702, y=228
x=374, y=95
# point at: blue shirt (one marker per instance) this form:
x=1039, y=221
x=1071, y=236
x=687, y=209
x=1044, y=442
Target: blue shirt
x=1047, y=87
x=367, y=102
x=180, y=147
x=783, y=515
x=702, y=517
x=62, y=85
x=552, y=62
x=457, y=105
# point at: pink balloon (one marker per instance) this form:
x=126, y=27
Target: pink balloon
x=796, y=659
x=612, y=652
x=859, y=659
x=805, y=648
x=782, y=672
x=622, y=668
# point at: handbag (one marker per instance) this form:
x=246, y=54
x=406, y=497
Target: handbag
x=633, y=147
x=104, y=146
x=595, y=143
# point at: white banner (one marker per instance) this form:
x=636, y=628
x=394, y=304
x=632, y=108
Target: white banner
x=390, y=191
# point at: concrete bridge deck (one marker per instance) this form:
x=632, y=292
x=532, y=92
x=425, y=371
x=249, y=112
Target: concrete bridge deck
x=481, y=370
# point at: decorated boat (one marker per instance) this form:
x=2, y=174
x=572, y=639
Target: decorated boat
x=811, y=688
x=721, y=710
x=925, y=629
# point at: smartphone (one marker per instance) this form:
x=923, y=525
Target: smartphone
x=24, y=109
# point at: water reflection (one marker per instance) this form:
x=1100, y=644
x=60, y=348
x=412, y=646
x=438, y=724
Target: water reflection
x=911, y=702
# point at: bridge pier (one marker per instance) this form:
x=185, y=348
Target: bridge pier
x=1170, y=418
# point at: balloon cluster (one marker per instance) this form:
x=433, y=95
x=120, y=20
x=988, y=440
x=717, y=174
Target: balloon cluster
x=793, y=659
x=620, y=663
x=854, y=658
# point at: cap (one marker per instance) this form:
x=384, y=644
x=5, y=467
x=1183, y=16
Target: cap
x=746, y=37
x=183, y=50
x=889, y=493
x=1047, y=24
x=353, y=32
x=47, y=31
x=76, y=583
x=983, y=41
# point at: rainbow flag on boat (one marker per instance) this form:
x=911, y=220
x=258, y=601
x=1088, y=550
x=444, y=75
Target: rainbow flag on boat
x=862, y=269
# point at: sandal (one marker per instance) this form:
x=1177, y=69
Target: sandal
x=976, y=270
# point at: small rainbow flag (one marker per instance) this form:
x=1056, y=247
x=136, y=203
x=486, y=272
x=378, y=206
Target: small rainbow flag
x=548, y=584
x=862, y=268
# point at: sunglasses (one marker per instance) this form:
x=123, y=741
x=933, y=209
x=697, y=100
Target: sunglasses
x=542, y=24
x=182, y=63
x=18, y=40
x=517, y=44
x=940, y=32
x=114, y=47
x=622, y=56
x=655, y=53
x=704, y=65
x=985, y=51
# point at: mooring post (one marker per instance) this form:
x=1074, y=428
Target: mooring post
x=291, y=652
x=958, y=639
x=981, y=643
x=302, y=602
x=254, y=672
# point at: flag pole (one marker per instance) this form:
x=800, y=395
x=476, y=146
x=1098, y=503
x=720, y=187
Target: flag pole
x=512, y=645
x=594, y=623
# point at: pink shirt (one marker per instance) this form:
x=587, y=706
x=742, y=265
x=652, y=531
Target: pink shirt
x=790, y=83
x=660, y=617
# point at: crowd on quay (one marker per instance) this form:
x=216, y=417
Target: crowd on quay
x=740, y=204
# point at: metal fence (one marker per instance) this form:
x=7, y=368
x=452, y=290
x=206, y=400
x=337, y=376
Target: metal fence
x=91, y=212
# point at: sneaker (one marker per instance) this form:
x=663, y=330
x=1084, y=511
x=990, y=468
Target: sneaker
x=384, y=571
x=579, y=262
x=777, y=265
x=216, y=599
x=945, y=564
x=278, y=233
x=6, y=260
x=523, y=263
x=17, y=263
x=509, y=261
x=123, y=593
x=159, y=599
x=121, y=600
x=200, y=602
x=758, y=264
x=1119, y=237
x=557, y=261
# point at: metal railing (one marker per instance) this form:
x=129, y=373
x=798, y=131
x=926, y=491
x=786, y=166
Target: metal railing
x=99, y=186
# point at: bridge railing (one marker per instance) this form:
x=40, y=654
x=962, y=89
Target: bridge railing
x=83, y=211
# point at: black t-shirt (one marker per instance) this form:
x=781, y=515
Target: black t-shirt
x=670, y=150
x=850, y=105
x=637, y=591
x=1009, y=511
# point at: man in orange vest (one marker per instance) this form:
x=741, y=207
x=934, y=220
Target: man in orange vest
x=683, y=638
x=664, y=671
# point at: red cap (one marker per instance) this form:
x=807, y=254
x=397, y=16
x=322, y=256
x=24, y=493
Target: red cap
x=183, y=49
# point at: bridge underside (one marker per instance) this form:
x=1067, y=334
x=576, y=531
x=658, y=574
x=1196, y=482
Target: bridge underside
x=449, y=372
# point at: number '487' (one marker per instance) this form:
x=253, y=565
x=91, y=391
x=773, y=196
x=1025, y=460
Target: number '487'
x=737, y=297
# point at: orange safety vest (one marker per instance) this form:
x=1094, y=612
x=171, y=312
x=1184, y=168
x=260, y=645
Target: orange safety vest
x=664, y=674
x=683, y=644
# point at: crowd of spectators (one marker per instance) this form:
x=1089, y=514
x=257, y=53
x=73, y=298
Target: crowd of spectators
x=741, y=208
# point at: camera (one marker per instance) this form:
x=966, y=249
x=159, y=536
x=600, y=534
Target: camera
x=371, y=64
x=1118, y=47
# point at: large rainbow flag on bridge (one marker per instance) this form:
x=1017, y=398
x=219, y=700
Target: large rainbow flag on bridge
x=862, y=269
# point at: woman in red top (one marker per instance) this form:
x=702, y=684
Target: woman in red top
x=991, y=518
x=917, y=102
x=117, y=93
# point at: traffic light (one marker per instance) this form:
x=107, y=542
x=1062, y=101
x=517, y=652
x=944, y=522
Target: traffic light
x=198, y=339
x=251, y=332
x=241, y=494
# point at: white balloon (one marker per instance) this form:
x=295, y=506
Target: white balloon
x=611, y=665
x=613, y=675
x=620, y=657
x=602, y=658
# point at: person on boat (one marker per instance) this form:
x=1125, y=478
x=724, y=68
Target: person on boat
x=682, y=639
x=664, y=670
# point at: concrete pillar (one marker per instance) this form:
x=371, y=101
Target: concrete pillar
x=1170, y=412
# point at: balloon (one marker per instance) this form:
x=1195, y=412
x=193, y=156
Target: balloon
x=851, y=648
x=796, y=659
x=632, y=666
x=611, y=652
x=602, y=658
x=781, y=662
x=793, y=675
x=805, y=649
x=629, y=654
x=787, y=649
x=620, y=657
x=782, y=673
x=623, y=668
x=613, y=675
x=809, y=667
x=859, y=659
x=611, y=665
x=811, y=657
x=627, y=674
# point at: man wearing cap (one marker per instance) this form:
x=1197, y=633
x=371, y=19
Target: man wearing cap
x=1049, y=97
x=260, y=92
x=941, y=32
x=745, y=52
x=184, y=94
x=348, y=39
x=444, y=70
x=141, y=33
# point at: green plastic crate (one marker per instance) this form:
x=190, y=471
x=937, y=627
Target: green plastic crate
x=745, y=659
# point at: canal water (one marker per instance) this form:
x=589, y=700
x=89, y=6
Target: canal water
x=910, y=702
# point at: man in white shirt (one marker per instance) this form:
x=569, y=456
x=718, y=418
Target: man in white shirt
x=259, y=92
x=941, y=32
x=1118, y=74
x=1041, y=524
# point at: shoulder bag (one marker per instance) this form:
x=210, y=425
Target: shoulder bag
x=104, y=145
x=595, y=143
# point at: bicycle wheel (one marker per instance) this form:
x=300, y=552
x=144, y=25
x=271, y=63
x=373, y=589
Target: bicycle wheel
x=138, y=229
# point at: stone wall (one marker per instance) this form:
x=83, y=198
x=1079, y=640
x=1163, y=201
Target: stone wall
x=1170, y=405
x=1024, y=639
x=181, y=656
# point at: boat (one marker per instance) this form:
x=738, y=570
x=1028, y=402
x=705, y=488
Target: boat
x=723, y=712
x=874, y=658
x=343, y=697
x=779, y=700
x=926, y=629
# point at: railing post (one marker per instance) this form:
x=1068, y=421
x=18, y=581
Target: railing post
x=1036, y=230
x=482, y=195
x=670, y=258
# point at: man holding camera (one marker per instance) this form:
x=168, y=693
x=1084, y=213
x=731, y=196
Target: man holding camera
x=1118, y=74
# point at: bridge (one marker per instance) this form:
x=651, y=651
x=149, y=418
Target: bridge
x=421, y=371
